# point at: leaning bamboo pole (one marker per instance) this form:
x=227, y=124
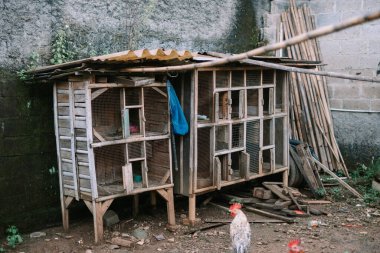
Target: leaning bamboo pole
x=300, y=70
x=264, y=49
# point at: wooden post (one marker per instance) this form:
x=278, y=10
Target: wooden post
x=192, y=206
x=153, y=199
x=167, y=194
x=285, y=177
x=98, y=210
x=65, y=212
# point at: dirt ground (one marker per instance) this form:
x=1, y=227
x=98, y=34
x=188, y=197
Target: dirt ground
x=348, y=227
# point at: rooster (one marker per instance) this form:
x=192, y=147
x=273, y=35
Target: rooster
x=240, y=230
x=294, y=246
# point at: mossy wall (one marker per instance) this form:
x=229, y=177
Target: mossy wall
x=29, y=192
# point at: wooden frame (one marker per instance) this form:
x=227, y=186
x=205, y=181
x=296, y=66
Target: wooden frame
x=79, y=142
x=230, y=164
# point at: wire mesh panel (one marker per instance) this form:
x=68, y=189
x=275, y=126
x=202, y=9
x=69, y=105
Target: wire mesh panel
x=158, y=162
x=280, y=139
x=221, y=138
x=268, y=76
x=132, y=96
x=237, y=135
x=268, y=101
x=253, y=77
x=222, y=106
x=204, y=169
x=205, y=94
x=108, y=163
x=106, y=115
x=222, y=79
x=135, y=150
x=156, y=112
x=253, y=145
x=237, y=78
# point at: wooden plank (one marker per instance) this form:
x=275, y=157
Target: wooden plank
x=97, y=135
x=127, y=177
x=73, y=141
x=268, y=214
x=165, y=177
x=344, y=184
x=97, y=93
x=160, y=91
x=277, y=190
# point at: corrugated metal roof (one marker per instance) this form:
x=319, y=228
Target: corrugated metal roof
x=127, y=56
x=145, y=54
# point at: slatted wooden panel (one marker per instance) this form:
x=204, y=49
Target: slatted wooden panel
x=156, y=111
x=158, y=162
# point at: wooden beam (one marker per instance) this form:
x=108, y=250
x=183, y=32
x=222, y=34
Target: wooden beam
x=98, y=135
x=160, y=91
x=163, y=194
x=97, y=93
x=89, y=205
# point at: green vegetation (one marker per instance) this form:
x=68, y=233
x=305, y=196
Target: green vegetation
x=60, y=48
x=2, y=250
x=362, y=178
x=13, y=236
x=34, y=61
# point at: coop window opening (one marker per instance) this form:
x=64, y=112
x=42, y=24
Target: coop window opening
x=237, y=104
x=237, y=166
x=222, y=79
x=222, y=103
x=156, y=112
x=253, y=102
x=267, y=102
x=205, y=96
x=253, y=77
x=225, y=163
x=133, y=96
x=267, y=160
x=222, y=138
x=131, y=122
x=268, y=132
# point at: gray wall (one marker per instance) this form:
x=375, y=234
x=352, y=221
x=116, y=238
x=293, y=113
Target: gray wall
x=355, y=51
x=29, y=191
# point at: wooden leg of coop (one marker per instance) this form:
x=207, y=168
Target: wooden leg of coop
x=135, y=210
x=66, y=201
x=167, y=194
x=153, y=199
x=285, y=178
x=98, y=210
x=192, y=207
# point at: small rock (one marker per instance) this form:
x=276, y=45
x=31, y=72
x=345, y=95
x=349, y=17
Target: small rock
x=141, y=242
x=363, y=232
x=259, y=243
x=88, y=251
x=159, y=249
x=350, y=219
x=159, y=237
x=183, y=216
x=140, y=233
x=114, y=246
x=47, y=240
x=171, y=240
x=332, y=247
x=68, y=236
x=37, y=234
x=146, y=228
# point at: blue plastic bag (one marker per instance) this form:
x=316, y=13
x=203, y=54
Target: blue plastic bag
x=179, y=123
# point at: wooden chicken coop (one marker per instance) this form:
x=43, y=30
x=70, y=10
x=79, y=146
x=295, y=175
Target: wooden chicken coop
x=239, y=128
x=113, y=127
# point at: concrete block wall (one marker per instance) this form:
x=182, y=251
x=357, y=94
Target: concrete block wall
x=353, y=51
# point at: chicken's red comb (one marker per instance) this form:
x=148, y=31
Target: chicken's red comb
x=235, y=206
x=293, y=243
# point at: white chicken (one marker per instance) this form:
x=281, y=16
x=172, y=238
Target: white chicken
x=240, y=230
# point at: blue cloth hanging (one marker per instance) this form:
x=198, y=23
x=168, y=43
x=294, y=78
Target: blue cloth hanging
x=179, y=123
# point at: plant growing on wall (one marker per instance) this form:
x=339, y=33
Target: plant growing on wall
x=60, y=48
x=13, y=236
x=34, y=60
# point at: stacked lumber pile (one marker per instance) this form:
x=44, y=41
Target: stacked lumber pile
x=310, y=117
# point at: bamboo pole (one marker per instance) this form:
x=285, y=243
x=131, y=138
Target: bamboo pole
x=300, y=70
x=264, y=49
